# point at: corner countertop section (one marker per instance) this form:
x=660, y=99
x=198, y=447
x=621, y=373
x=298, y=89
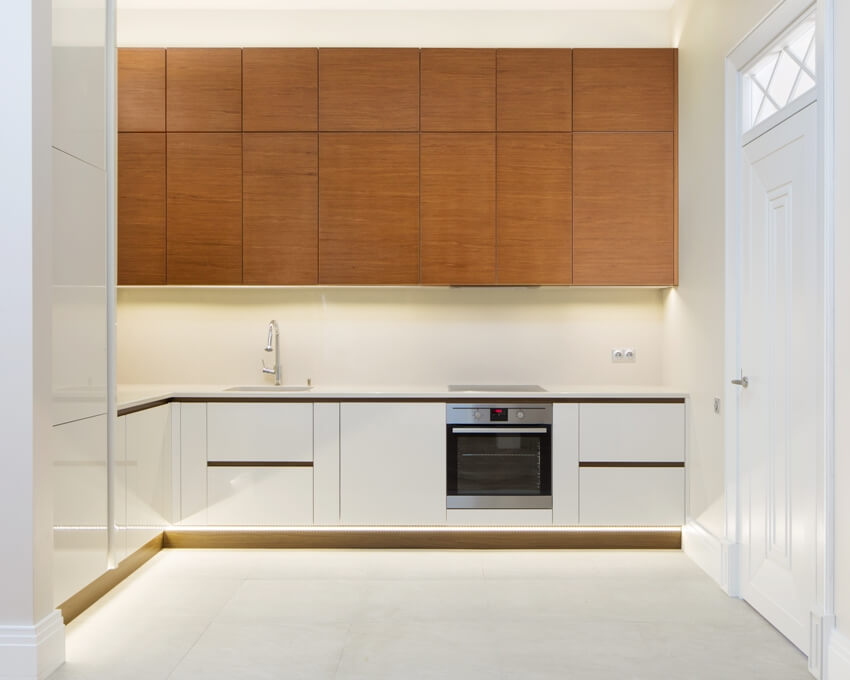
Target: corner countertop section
x=132, y=397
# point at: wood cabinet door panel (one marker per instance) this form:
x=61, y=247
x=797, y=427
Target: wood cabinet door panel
x=141, y=208
x=280, y=89
x=368, y=208
x=141, y=90
x=458, y=208
x=280, y=186
x=623, y=219
x=534, y=190
x=204, y=208
x=369, y=89
x=458, y=90
x=624, y=90
x=204, y=90
x=534, y=90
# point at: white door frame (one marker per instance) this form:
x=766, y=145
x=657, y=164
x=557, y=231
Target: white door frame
x=782, y=16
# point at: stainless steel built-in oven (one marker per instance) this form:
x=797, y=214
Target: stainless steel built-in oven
x=499, y=455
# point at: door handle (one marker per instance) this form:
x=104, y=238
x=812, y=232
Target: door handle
x=742, y=381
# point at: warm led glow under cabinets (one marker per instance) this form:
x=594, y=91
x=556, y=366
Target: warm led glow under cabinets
x=426, y=529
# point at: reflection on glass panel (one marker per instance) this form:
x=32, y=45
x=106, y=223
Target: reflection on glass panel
x=782, y=74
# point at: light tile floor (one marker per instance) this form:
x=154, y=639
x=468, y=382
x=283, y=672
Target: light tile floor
x=348, y=614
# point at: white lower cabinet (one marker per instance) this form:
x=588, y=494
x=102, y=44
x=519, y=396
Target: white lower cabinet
x=632, y=496
x=393, y=463
x=148, y=474
x=259, y=432
x=80, y=540
x=260, y=495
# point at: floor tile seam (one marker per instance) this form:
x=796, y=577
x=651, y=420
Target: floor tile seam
x=203, y=632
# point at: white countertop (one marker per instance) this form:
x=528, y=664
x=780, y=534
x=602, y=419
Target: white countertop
x=132, y=396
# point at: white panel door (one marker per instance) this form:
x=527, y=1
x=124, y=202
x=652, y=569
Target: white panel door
x=392, y=463
x=781, y=356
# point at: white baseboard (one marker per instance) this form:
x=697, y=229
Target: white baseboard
x=838, y=658
x=32, y=652
x=707, y=551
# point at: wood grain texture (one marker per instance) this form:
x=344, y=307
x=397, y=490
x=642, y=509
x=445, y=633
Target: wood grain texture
x=497, y=538
x=368, y=208
x=534, y=190
x=623, y=90
x=534, y=90
x=85, y=598
x=141, y=90
x=204, y=208
x=280, y=184
x=141, y=208
x=280, y=89
x=204, y=90
x=623, y=226
x=458, y=90
x=458, y=208
x=368, y=89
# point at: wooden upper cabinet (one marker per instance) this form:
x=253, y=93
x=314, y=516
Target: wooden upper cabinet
x=623, y=213
x=204, y=90
x=280, y=89
x=368, y=208
x=534, y=90
x=141, y=90
x=458, y=208
x=204, y=208
x=280, y=186
x=368, y=89
x=141, y=208
x=534, y=189
x=458, y=90
x=629, y=90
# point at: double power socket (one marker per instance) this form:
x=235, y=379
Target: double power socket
x=624, y=355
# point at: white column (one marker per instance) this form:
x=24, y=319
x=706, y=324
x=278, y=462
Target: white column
x=31, y=631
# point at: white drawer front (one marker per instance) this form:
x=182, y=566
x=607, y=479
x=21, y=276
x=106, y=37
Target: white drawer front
x=260, y=495
x=631, y=496
x=632, y=432
x=259, y=432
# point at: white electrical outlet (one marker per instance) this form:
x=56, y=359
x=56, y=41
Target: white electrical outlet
x=624, y=355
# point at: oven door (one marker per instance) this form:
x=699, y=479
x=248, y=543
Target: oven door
x=499, y=466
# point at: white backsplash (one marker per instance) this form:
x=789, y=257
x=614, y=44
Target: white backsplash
x=390, y=336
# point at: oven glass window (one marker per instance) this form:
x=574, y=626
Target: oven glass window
x=500, y=465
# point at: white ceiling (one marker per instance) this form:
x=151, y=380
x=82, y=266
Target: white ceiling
x=419, y=5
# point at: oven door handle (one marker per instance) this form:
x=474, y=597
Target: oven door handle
x=499, y=430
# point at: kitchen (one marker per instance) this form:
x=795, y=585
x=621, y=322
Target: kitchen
x=392, y=342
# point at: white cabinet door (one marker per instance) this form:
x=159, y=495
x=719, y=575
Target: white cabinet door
x=326, y=464
x=80, y=540
x=149, y=475
x=79, y=79
x=632, y=432
x=393, y=463
x=79, y=289
x=260, y=495
x=262, y=432
x=628, y=496
x=565, y=464
x=193, y=463
x=119, y=484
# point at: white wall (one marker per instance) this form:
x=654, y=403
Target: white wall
x=265, y=28
x=390, y=336
x=704, y=32
x=842, y=314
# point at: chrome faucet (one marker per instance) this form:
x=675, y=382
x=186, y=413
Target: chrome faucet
x=273, y=329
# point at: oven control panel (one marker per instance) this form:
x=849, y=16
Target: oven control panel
x=499, y=414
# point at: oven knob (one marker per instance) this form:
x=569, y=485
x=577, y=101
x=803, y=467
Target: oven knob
x=520, y=414
x=477, y=415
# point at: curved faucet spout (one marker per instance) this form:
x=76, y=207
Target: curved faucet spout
x=274, y=330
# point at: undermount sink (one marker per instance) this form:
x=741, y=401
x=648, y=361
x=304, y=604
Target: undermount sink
x=269, y=388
